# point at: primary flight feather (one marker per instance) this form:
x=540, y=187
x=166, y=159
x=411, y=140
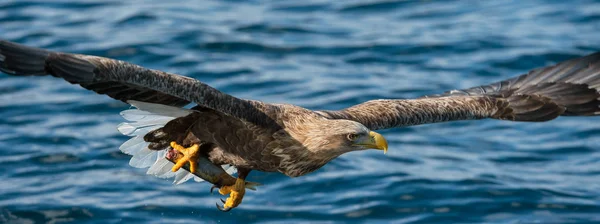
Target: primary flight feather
x=253, y=135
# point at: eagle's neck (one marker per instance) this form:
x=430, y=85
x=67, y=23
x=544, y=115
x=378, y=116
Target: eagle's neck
x=298, y=144
x=297, y=164
x=297, y=160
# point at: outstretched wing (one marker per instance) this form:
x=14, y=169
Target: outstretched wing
x=125, y=81
x=570, y=88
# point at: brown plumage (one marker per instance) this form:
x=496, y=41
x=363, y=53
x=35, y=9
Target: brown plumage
x=570, y=88
x=285, y=138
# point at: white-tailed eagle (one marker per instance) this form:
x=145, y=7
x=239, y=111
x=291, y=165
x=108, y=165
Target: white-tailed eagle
x=254, y=135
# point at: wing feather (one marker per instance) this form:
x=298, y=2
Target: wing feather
x=125, y=81
x=569, y=88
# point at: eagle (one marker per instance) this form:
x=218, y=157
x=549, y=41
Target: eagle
x=222, y=129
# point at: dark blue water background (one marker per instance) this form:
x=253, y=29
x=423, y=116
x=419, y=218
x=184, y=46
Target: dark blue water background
x=59, y=156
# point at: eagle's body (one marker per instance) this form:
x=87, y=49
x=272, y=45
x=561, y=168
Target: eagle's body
x=271, y=148
x=254, y=135
x=282, y=147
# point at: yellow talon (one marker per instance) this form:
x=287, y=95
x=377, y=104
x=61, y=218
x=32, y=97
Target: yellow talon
x=190, y=155
x=236, y=193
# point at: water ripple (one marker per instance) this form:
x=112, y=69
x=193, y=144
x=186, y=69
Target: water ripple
x=60, y=145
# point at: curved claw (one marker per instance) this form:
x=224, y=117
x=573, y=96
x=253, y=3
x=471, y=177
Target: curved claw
x=221, y=208
x=213, y=188
x=236, y=194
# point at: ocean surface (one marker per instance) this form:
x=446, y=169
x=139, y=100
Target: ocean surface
x=59, y=156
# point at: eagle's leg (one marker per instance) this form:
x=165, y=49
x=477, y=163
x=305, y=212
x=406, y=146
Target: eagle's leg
x=236, y=192
x=190, y=155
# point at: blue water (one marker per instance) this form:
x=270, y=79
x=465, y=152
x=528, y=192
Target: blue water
x=59, y=156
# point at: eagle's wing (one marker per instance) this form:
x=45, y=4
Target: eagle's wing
x=570, y=88
x=125, y=81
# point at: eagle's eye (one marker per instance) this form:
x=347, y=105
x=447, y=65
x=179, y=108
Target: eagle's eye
x=352, y=136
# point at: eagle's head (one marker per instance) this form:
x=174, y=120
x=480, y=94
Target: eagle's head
x=335, y=137
x=311, y=142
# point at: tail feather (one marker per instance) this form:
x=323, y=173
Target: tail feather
x=144, y=158
x=182, y=177
x=162, y=167
x=145, y=124
x=133, y=145
x=159, y=109
x=128, y=128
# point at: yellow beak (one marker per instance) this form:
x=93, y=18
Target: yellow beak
x=376, y=141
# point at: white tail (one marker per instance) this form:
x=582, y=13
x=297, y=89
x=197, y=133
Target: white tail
x=148, y=117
